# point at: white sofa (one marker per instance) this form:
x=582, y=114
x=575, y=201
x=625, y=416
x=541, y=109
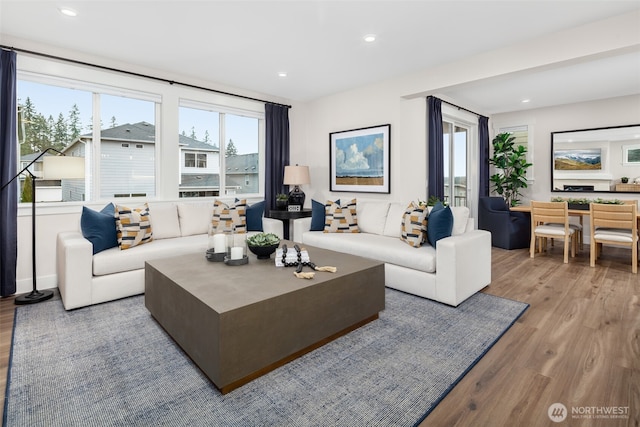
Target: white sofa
x=178, y=228
x=458, y=267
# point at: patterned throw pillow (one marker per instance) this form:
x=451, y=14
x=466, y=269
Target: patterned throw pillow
x=133, y=226
x=340, y=219
x=230, y=218
x=414, y=225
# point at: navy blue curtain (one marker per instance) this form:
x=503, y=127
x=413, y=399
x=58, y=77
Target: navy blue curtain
x=8, y=169
x=483, y=137
x=277, y=151
x=436, y=148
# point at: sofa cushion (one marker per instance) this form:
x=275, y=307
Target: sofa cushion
x=382, y=248
x=460, y=219
x=115, y=261
x=341, y=219
x=133, y=226
x=439, y=224
x=195, y=218
x=230, y=217
x=99, y=227
x=165, y=221
x=372, y=216
x=393, y=223
x=414, y=225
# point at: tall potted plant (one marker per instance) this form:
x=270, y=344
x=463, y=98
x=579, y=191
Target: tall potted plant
x=510, y=162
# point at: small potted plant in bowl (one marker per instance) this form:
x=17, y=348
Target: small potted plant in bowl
x=624, y=179
x=263, y=244
x=281, y=201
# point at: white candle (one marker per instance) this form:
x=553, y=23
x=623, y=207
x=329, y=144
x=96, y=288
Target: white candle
x=236, y=252
x=219, y=243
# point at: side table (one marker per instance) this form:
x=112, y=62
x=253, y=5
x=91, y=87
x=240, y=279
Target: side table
x=285, y=216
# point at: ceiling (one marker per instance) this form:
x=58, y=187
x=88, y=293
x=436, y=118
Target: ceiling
x=319, y=44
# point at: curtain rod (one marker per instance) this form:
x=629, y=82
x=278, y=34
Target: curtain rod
x=457, y=106
x=132, y=73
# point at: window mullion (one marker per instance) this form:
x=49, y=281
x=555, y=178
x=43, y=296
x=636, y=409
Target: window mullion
x=223, y=162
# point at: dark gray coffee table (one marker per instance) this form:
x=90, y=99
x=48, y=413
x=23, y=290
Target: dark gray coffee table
x=240, y=322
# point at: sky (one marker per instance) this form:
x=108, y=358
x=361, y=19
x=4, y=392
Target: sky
x=53, y=100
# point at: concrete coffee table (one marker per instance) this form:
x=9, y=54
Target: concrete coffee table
x=240, y=322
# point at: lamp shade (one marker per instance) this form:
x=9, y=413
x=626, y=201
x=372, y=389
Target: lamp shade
x=296, y=175
x=62, y=167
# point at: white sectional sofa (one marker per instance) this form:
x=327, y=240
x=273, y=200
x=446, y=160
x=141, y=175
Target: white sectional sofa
x=178, y=228
x=458, y=267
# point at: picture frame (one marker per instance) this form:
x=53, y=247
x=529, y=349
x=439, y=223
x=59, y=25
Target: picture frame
x=577, y=159
x=631, y=154
x=360, y=160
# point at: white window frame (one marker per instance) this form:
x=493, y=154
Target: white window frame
x=222, y=111
x=470, y=122
x=92, y=153
x=511, y=127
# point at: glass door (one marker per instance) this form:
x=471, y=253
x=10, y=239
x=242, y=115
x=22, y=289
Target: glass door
x=456, y=142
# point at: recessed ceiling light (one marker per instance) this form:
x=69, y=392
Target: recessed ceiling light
x=282, y=74
x=525, y=101
x=369, y=38
x=67, y=11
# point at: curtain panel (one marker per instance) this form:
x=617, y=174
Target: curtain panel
x=435, y=149
x=276, y=152
x=8, y=169
x=483, y=168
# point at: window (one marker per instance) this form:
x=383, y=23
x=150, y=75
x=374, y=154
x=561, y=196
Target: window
x=62, y=114
x=212, y=139
x=189, y=160
x=127, y=170
x=195, y=160
x=455, y=140
x=50, y=117
x=522, y=135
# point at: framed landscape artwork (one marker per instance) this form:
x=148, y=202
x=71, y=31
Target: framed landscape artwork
x=631, y=154
x=360, y=160
x=577, y=159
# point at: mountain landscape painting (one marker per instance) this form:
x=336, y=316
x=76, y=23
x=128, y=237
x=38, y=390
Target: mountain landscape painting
x=584, y=159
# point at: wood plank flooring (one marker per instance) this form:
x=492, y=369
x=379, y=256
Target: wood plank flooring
x=578, y=344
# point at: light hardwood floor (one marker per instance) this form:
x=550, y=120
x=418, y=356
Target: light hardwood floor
x=578, y=344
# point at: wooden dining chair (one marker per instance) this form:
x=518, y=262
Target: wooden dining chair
x=616, y=225
x=550, y=220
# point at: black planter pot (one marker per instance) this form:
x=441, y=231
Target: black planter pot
x=263, y=252
x=579, y=206
x=281, y=205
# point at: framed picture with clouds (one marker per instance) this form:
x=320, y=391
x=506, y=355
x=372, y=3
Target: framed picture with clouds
x=360, y=160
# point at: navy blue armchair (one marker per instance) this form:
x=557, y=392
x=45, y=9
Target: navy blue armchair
x=509, y=230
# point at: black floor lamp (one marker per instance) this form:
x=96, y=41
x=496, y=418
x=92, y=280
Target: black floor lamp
x=54, y=167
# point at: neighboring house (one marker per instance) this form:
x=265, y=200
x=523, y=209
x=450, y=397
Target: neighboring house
x=242, y=173
x=46, y=190
x=199, y=168
x=127, y=164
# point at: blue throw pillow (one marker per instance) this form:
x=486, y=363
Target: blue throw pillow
x=254, y=214
x=99, y=227
x=317, y=215
x=439, y=223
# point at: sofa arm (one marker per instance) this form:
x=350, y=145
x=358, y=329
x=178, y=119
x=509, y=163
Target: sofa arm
x=300, y=226
x=270, y=225
x=74, y=265
x=463, y=266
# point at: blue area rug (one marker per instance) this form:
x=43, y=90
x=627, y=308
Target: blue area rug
x=113, y=365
